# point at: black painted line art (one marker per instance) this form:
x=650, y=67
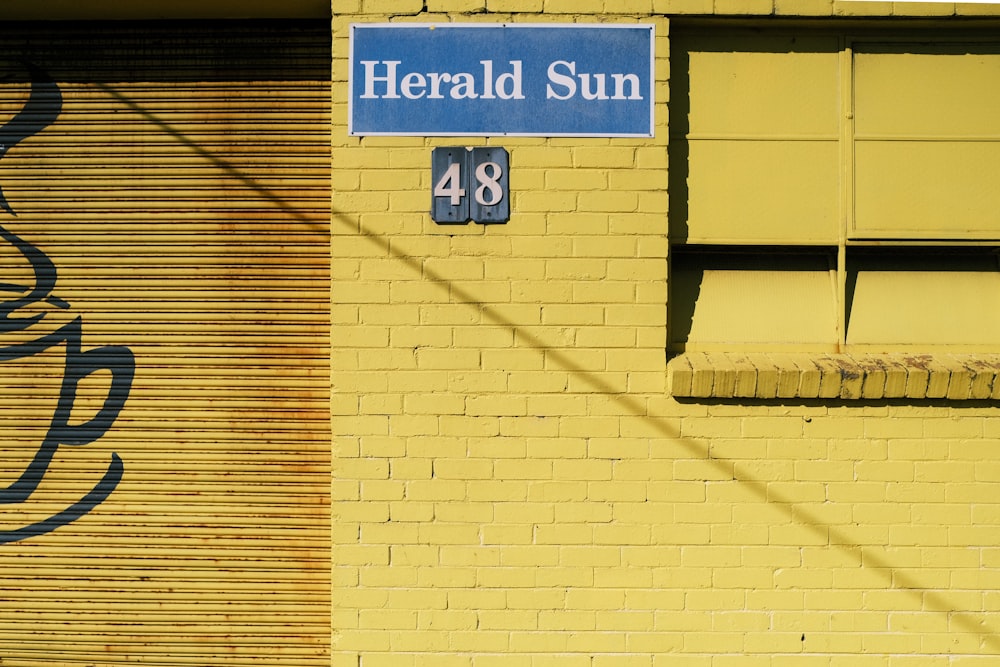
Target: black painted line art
x=23, y=308
x=41, y=110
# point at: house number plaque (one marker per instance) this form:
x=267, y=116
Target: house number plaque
x=470, y=184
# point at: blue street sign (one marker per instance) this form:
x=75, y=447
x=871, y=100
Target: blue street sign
x=487, y=79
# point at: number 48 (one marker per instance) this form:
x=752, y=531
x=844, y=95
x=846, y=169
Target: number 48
x=488, y=176
x=450, y=171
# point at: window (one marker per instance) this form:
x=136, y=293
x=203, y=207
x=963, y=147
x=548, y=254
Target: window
x=834, y=191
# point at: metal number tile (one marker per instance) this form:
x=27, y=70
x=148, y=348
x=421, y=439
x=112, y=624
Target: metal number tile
x=490, y=196
x=450, y=184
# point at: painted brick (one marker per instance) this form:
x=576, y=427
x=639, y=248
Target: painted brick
x=571, y=7
x=956, y=377
x=804, y=7
x=512, y=484
x=683, y=6
x=455, y=5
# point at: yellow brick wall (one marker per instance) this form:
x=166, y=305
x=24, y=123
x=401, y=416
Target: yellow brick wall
x=513, y=485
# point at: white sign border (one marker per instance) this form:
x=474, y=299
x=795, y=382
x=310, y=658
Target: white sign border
x=435, y=26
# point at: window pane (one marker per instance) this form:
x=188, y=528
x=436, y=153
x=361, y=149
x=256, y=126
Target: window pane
x=928, y=89
x=762, y=192
x=927, y=189
x=754, y=155
x=763, y=85
x=927, y=140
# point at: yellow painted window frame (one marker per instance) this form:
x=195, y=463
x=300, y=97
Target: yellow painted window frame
x=847, y=214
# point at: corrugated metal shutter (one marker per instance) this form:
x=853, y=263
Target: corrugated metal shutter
x=176, y=178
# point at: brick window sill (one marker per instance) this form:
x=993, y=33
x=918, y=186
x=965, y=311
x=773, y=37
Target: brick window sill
x=956, y=377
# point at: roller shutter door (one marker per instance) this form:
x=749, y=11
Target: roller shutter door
x=165, y=209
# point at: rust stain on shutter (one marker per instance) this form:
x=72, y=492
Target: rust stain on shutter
x=181, y=195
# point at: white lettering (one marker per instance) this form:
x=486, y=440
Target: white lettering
x=588, y=94
x=413, y=85
x=489, y=181
x=620, y=80
x=563, y=84
x=437, y=78
x=389, y=79
x=561, y=80
x=513, y=90
x=463, y=86
x=382, y=79
x=487, y=79
x=450, y=184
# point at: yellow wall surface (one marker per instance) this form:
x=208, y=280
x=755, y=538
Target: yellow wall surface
x=513, y=482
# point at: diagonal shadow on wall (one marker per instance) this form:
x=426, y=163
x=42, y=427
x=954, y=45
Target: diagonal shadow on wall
x=896, y=578
x=866, y=557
